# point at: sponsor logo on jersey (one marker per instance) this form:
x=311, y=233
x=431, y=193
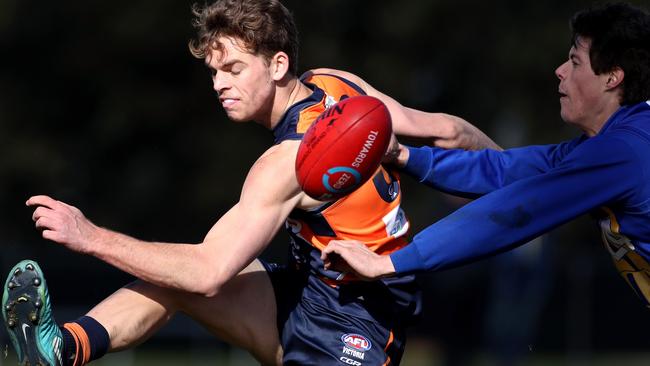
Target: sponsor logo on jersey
x=396, y=223
x=350, y=361
x=329, y=101
x=331, y=111
x=356, y=342
x=354, y=353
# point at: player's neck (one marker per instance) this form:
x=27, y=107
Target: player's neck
x=601, y=115
x=288, y=95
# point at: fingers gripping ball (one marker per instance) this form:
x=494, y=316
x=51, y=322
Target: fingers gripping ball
x=343, y=148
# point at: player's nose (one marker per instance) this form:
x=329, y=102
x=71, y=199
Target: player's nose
x=219, y=82
x=560, y=72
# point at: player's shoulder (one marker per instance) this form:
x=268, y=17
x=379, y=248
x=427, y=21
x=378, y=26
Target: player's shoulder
x=328, y=71
x=630, y=123
x=277, y=162
x=345, y=75
x=274, y=172
x=283, y=152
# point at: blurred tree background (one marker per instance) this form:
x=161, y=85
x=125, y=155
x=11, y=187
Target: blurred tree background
x=103, y=107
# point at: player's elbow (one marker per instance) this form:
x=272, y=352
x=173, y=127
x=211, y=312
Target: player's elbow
x=214, y=280
x=207, y=289
x=457, y=133
x=210, y=291
x=211, y=284
x=455, y=130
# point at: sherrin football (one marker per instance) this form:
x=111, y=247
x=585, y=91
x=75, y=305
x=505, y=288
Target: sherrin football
x=343, y=148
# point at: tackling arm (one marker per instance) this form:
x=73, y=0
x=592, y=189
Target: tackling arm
x=595, y=173
x=268, y=196
x=474, y=173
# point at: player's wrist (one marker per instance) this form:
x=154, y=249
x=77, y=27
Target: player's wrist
x=99, y=241
x=389, y=268
x=384, y=267
x=402, y=156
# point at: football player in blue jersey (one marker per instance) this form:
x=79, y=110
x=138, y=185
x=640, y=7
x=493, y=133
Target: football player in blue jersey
x=604, y=88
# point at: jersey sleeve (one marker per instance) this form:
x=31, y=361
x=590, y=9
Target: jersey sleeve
x=596, y=172
x=474, y=173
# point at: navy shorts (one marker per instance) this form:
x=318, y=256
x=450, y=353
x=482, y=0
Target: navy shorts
x=355, y=324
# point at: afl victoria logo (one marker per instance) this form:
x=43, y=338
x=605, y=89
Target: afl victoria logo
x=356, y=341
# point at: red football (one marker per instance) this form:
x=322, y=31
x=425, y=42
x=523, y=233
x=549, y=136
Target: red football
x=343, y=148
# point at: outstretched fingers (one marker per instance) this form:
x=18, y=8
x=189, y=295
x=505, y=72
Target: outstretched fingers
x=60, y=222
x=42, y=200
x=44, y=222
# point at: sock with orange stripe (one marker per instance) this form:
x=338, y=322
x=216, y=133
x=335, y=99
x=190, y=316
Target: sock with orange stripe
x=84, y=340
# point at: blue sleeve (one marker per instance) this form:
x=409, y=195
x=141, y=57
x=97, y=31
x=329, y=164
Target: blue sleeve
x=596, y=172
x=474, y=173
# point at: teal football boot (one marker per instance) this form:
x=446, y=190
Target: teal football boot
x=28, y=317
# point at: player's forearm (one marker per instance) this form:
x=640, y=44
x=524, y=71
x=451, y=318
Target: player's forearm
x=460, y=172
x=444, y=130
x=465, y=135
x=474, y=173
x=482, y=228
x=179, y=266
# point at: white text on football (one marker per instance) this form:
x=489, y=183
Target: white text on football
x=365, y=149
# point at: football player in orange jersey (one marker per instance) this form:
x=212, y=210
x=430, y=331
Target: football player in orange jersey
x=299, y=314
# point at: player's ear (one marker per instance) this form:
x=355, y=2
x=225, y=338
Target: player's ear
x=615, y=78
x=279, y=65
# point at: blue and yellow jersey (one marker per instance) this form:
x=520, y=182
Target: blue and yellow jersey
x=371, y=214
x=530, y=190
x=632, y=263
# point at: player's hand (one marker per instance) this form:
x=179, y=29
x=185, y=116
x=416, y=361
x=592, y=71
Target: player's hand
x=358, y=259
x=62, y=223
x=396, y=154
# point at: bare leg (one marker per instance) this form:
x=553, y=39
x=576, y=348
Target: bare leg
x=243, y=313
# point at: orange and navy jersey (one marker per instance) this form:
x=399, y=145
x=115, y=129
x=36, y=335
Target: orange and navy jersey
x=327, y=90
x=371, y=214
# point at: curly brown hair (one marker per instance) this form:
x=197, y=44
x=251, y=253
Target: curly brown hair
x=265, y=27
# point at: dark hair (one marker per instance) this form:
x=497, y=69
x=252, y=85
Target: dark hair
x=264, y=26
x=620, y=37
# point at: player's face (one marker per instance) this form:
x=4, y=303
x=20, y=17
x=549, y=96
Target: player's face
x=581, y=91
x=242, y=80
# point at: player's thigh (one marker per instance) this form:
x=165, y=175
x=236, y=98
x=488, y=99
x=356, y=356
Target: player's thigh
x=242, y=313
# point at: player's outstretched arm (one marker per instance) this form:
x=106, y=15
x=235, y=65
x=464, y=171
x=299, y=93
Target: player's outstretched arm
x=437, y=129
x=268, y=196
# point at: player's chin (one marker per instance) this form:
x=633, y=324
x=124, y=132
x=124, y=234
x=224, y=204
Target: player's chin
x=566, y=115
x=237, y=117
